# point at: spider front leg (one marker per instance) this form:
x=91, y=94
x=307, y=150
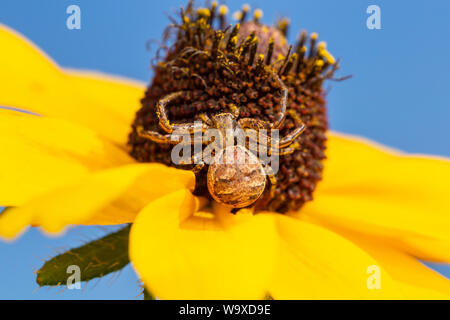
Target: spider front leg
x=196, y=159
x=256, y=149
x=168, y=138
x=190, y=128
x=283, y=152
x=275, y=143
x=161, y=110
x=297, y=120
x=279, y=119
x=157, y=137
x=164, y=123
x=287, y=140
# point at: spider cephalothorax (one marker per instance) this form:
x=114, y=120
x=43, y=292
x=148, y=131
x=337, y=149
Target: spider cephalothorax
x=248, y=75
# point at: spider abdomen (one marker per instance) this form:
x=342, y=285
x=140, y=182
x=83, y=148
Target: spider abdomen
x=235, y=177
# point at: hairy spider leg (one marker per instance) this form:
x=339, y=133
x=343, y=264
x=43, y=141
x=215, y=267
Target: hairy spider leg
x=267, y=141
x=166, y=138
x=198, y=167
x=272, y=178
x=164, y=122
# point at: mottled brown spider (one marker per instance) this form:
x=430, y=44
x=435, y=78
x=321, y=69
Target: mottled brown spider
x=240, y=182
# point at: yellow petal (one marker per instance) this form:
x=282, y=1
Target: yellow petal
x=31, y=81
x=182, y=253
x=315, y=263
x=112, y=196
x=417, y=280
x=41, y=153
x=404, y=199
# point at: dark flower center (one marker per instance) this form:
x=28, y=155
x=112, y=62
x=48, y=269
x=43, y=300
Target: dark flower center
x=216, y=67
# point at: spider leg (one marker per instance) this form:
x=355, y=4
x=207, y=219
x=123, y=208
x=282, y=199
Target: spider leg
x=272, y=178
x=286, y=150
x=234, y=110
x=190, y=127
x=257, y=143
x=195, y=159
x=198, y=167
x=255, y=124
x=290, y=137
x=206, y=119
x=168, y=138
x=279, y=119
x=282, y=152
x=261, y=138
x=158, y=137
x=297, y=120
x=161, y=110
x=164, y=123
x=267, y=141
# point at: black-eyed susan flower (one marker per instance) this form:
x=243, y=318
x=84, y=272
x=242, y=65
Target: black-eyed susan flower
x=77, y=158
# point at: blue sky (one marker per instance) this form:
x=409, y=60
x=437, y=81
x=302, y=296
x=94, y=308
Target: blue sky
x=399, y=94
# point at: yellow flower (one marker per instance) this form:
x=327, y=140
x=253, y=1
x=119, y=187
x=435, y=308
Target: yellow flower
x=376, y=209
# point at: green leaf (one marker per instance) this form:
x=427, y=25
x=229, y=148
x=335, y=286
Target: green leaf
x=268, y=297
x=148, y=295
x=94, y=259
